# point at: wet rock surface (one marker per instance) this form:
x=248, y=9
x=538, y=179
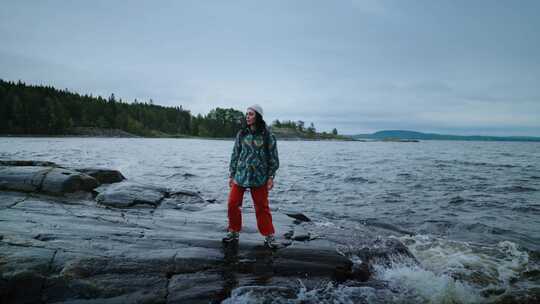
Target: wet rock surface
x=299, y=217
x=137, y=243
x=103, y=176
x=48, y=177
x=52, y=180
x=27, y=163
x=128, y=194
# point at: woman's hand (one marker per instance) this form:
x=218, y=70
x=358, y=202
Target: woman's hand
x=270, y=183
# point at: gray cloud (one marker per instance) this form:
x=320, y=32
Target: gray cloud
x=360, y=66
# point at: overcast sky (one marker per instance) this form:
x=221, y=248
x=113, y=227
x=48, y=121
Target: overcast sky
x=461, y=67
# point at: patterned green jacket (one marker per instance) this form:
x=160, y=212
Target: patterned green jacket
x=251, y=163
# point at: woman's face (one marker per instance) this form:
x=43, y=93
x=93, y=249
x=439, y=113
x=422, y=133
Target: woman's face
x=250, y=117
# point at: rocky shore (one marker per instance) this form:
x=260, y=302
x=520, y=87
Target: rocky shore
x=89, y=235
x=280, y=133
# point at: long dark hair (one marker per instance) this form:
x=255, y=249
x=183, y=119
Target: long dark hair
x=260, y=124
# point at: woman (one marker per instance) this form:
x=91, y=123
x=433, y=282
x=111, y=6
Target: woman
x=254, y=162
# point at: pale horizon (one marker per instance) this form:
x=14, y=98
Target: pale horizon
x=449, y=67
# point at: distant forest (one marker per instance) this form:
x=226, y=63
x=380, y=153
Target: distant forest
x=45, y=110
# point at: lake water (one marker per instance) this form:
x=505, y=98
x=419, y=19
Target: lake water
x=469, y=211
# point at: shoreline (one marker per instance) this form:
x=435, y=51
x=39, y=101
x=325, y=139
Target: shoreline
x=232, y=138
x=152, y=137
x=84, y=230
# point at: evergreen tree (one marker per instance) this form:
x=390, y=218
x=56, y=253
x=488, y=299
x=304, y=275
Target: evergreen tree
x=27, y=109
x=311, y=129
x=300, y=126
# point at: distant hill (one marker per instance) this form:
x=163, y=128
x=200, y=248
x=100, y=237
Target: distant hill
x=404, y=134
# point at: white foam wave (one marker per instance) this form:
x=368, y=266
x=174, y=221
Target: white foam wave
x=419, y=285
x=449, y=272
x=455, y=272
x=328, y=293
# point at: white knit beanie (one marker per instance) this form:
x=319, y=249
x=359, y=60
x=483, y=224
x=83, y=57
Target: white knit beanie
x=257, y=108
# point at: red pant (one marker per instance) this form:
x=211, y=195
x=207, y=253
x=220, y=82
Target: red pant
x=262, y=211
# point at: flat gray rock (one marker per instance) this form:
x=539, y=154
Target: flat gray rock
x=185, y=201
x=22, y=178
x=53, y=180
x=195, y=287
x=27, y=163
x=60, y=180
x=103, y=175
x=301, y=234
x=22, y=273
x=299, y=216
x=129, y=194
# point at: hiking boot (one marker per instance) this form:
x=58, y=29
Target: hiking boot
x=270, y=241
x=232, y=236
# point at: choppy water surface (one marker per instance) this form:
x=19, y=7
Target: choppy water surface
x=469, y=211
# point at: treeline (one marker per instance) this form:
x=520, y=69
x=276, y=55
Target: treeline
x=300, y=127
x=29, y=109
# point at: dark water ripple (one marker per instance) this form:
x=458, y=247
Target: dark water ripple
x=485, y=193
